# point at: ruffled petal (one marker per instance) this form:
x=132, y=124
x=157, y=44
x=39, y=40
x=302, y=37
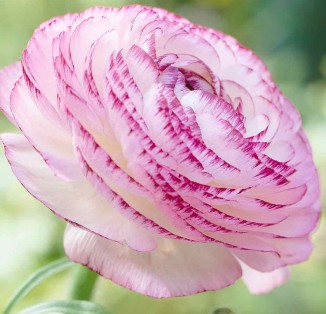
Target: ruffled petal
x=8, y=77
x=174, y=268
x=51, y=141
x=76, y=202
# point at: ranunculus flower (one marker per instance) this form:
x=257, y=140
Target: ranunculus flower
x=166, y=146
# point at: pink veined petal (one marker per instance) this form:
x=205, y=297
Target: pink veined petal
x=221, y=131
x=302, y=222
x=206, y=224
x=231, y=53
x=271, y=109
x=88, y=149
x=177, y=41
x=259, y=282
x=290, y=121
x=37, y=58
x=142, y=68
x=292, y=250
x=96, y=63
x=72, y=99
x=248, y=58
x=142, y=26
x=288, y=196
x=93, y=12
x=260, y=261
x=288, y=251
x=313, y=189
x=53, y=143
x=195, y=160
x=174, y=268
x=144, y=211
x=160, y=129
x=282, y=151
x=8, y=77
x=129, y=127
x=249, y=79
x=76, y=202
x=82, y=38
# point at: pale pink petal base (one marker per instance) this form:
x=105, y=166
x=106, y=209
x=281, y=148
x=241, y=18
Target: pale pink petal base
x=174, y=268
x=155, y=153
x=259, y=283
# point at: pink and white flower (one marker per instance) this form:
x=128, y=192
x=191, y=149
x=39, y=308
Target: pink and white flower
x=166, y=146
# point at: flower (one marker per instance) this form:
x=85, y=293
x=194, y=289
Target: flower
x=166, y=146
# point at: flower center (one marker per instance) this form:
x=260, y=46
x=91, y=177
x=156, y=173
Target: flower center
x=185, y=73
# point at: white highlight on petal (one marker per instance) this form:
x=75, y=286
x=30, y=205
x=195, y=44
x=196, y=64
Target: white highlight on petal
x=259, y=282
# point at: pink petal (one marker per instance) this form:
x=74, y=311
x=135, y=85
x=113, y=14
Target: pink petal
x=142, y=68
x=52, y=142
x=260, y=261
x=287, y=251
x=165, y=219
x=76, y=202
x=8, y=77
x=37, y=58
x=82, y=38
x=292, y=250
x=302, y=222
x=174, y=268
x=259, y=282
x=175, y=41
x=95, y=68
x=124, y=202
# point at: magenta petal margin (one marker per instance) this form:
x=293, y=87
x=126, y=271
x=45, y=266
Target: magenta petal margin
x=175, y=159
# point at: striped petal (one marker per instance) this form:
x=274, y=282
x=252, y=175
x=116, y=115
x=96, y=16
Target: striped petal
x=75, y=202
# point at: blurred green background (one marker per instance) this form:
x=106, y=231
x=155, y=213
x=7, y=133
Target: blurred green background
x=289, y=35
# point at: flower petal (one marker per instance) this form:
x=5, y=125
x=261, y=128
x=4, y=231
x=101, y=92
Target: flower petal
x=51, y=141
x=8, y=77
x=174, y=268
x=258, y=282
x=76, y=202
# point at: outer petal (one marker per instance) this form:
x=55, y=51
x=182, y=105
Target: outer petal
x=37, y=57
x=175, y=268
x=289, y=251
x=76, y=202
x=53, y=143
x=8, y=77
x=258, y=282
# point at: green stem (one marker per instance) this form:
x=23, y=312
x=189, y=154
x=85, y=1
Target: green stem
x=83, y=283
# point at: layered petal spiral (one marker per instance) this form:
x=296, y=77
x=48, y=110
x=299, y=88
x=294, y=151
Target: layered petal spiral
x=166, y=146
